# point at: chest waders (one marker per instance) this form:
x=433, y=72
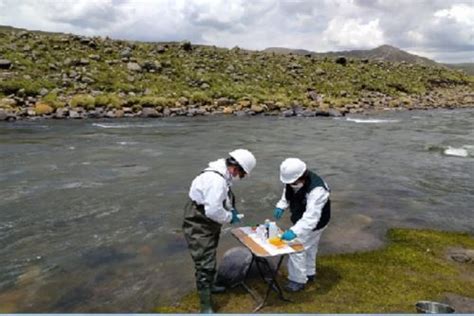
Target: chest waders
x=202, y=235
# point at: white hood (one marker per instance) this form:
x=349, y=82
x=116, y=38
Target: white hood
x=220, y=166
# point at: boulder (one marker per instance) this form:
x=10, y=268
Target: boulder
x=150, y=112
x=3, y=115
x=287, y=113
x=5, y=64
x=341, y=60
x=257, y=108
x=308, y=113
x=75, y=114
x=335, y=113
x=60, y=113
x=134, y=67
x=234, y=266
x=126, y=52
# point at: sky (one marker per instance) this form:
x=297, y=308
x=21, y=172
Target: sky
x=442, y=30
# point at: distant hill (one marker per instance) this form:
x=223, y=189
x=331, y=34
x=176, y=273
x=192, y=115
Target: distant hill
x=466, y=67
x=384, y=53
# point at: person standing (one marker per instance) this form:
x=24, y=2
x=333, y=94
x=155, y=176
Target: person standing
x=307, y=197
x=211, y=205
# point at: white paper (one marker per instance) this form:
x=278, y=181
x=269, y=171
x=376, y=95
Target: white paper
x=271, y=249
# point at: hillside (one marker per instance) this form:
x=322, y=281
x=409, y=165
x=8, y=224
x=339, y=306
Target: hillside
x=383, y=53
x=62, y=75
x=468, y=68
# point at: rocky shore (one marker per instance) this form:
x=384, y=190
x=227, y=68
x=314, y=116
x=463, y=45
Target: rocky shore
x=229, y=107
x=63, y=76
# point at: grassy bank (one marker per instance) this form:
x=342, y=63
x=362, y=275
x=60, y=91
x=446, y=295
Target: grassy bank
x=415, y=265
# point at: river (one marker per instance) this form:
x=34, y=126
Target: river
x=91, y=210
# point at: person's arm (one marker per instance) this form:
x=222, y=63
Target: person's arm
x=215, y=192
x=315, y=202
x=283, y=203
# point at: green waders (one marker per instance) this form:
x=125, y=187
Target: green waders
x=202, y=236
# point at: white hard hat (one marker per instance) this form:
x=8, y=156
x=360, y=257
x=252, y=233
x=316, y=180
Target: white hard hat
x=245, y=159
x=291, y=169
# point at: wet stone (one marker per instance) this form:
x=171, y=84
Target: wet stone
x=234, y=265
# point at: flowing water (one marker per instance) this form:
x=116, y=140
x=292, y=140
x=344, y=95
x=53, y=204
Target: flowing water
x=90, y=211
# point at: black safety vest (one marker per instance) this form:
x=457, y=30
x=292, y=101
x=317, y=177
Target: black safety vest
x=298, y=200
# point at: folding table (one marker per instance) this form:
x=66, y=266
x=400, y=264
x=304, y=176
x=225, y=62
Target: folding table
x=260, y=255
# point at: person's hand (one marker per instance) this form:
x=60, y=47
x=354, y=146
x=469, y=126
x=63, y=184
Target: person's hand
x=288, y=235
x=278, y=213
x=235, y=218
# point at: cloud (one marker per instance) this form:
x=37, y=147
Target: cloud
x=440, y=29
x=353, y=33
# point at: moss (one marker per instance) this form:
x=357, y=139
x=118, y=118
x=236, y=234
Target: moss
x=412, y=267
x=52, y=100
x=83, y=100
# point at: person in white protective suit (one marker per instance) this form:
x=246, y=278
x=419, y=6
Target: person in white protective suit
x=307, y=197
x=211, y=205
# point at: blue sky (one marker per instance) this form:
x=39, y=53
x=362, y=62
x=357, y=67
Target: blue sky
x=439, y=29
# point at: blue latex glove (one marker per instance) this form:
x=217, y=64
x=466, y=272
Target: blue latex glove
x=288, y=235
x=235, y=219
x=278, y=213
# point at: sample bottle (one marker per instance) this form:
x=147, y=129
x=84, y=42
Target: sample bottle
x=272, y=230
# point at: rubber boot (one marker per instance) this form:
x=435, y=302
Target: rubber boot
x=216, y=289
x=206, y=301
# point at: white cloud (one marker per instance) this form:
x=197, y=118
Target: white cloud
x=353, y=33
x=461, y=13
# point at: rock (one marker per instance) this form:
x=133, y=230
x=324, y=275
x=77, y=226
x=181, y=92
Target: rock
x=312, y=95
x=134, y=67
x=166, y=112
x=126, y=52
x=343, y=93
x=84, y=62
x=75, y=114
x=308, y=113
x=7, y=102
x=205, y=86
x=240, y=113
x=150, y=112
x=223, y=102
x=228, y=110
x=341, y=60
x=87, y=80
x=257, y=108
x=183, y=101
x=43, y=92
x=151, y=65
x=94, y=57
x=234, y=266
x=60, y=113
x=3, y=115
x=322, y=113
x=335, y=113
x=288, y=113
x=320, y=72
x=110, y=114
x=5, y=64
x=160, y=49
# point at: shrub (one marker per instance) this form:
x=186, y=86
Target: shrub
x=108, y=100
x=52, y=100
x=43, y=108
x=83, y=100
x=200, y=97
x=156, y=102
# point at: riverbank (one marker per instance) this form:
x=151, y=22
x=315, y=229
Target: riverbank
x=86, y=107
x=415, y=265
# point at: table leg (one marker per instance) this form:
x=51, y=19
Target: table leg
x=272, y=285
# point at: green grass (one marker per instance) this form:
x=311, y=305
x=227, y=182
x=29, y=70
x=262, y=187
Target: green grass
x=412, y=267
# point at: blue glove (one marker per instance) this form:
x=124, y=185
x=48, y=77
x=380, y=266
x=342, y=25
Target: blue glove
x=288, y=235
x=278, y=212
x=235, y=219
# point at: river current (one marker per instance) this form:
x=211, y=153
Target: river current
x=91, y=210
